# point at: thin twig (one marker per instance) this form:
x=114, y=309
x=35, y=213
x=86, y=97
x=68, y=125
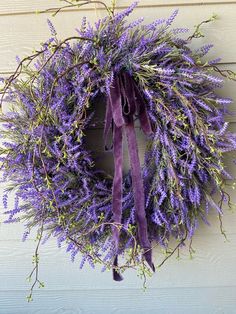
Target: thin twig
x=197, y=33
x=36, y=261
x=74, y=5
x=173, y=251
x=229, y=74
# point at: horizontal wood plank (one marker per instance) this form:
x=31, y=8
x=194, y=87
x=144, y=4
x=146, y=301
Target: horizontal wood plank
x=165, y=301
x=215, y=300
x=18, y=38
x=212, y=256
x=28, y=6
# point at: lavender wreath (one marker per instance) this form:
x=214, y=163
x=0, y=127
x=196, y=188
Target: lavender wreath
x=143, y=72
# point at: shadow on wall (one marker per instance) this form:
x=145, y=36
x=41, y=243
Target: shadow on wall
x=94, y=141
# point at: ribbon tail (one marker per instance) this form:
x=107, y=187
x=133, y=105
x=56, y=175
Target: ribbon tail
x=145, y=122
x=138, y=188
x=108, y=123
x=116, y=103
x=142, y=111
x=114, y=113
x=116, y=275
x=123, y=101
x=117, y=194
x=136, y=103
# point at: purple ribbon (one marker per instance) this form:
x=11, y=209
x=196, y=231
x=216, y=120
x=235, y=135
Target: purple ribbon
x=124, y=101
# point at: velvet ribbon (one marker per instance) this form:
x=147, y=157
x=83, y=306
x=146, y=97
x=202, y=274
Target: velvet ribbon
x=123, y=102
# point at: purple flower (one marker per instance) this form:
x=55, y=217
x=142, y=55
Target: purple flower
x=52, y=28
x=170, y=20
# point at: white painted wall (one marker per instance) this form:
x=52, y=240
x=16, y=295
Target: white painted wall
x=203, y=285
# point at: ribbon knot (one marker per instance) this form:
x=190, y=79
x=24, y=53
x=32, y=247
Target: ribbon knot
x=123, y=102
